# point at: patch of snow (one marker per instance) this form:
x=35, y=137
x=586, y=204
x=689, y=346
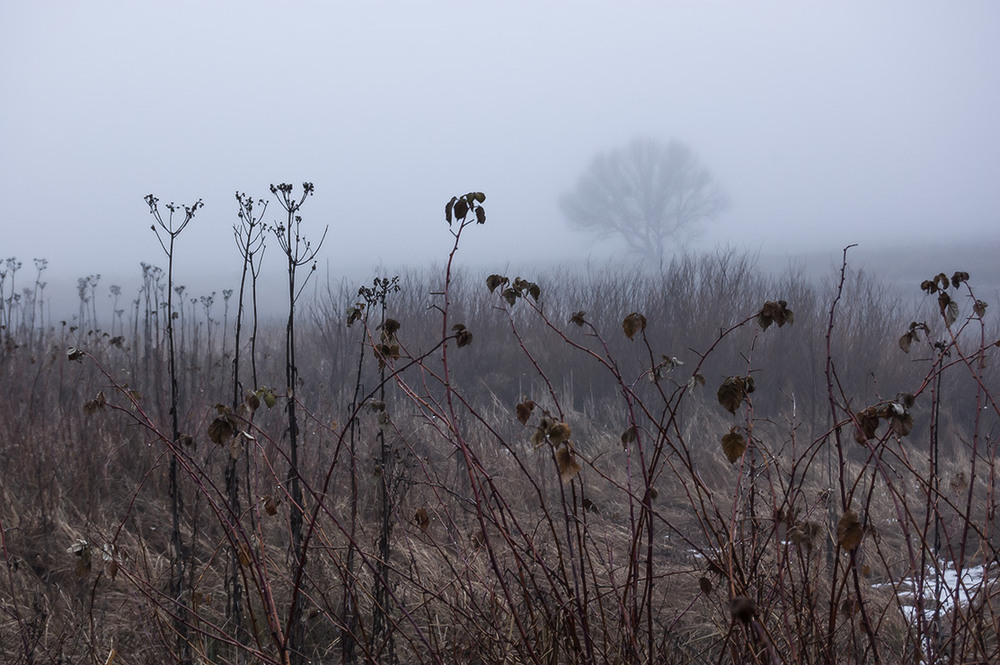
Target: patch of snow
x=945, y=582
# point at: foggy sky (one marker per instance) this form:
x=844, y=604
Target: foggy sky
x=827, y=124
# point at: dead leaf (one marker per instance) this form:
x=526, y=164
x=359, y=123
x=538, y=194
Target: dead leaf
x=695, y=381
x=633, y=323
x=222, y=429
x=524, y=410
x=462, y=336
x=96, y=404
x=421, y=519
x=742, y=609
x=559, y=433
x=867, y=425
x=732, y=392
x=734, y=445
x=493, y=281
x=849, y=531
x=775, y=312
x=568, y=466
x=849, y=607
x=805, y=535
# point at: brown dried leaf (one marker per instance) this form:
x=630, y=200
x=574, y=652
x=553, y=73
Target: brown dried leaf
x=849, y=531
x=83, y=566
x=695, y=381
x=734, y=445
x=949, y=308
x=867, y=425
x=559, y=433
x=266, y=394
x=732, y=392
x=462, y=336
x=84, y=553
x=386, y=352
x=355, y=313
x=901, y=424
x=448, y=209
x=633, y=323
x=805, y=535
x=774, y=312
x=951, y=315
x=235, y=447
x=898, y=417
x=742, y=609
x=421, y=519
x=96, y=404
x=222, y=429
x=524, y=410
x=568, y=466
x=705, y=585
x=905, y=341
x=849, y=607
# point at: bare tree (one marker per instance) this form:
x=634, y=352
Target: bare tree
x=647, y=192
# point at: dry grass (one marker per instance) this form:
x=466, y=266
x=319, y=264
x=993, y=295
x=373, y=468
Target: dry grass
x=494, y=558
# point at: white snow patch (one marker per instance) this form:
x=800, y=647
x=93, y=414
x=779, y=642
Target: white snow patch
x=941, y=588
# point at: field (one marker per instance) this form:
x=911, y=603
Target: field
x=702, y=464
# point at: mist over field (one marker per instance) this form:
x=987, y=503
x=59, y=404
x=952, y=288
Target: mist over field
x=476, y=333
x=825, y=126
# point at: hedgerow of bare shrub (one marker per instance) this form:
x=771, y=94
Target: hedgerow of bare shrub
x=699, y=465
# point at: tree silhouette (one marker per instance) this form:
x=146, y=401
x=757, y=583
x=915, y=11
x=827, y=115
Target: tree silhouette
x=647, y=192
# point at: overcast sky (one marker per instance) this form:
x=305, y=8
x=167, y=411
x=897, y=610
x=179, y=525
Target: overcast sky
x=827, y=123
